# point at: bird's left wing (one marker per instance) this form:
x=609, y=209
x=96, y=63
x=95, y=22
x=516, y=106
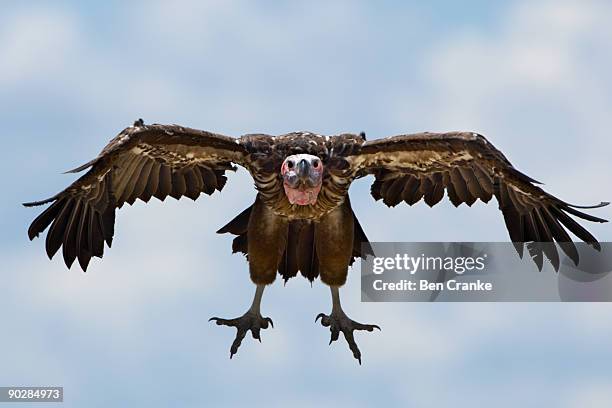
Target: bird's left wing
x=141, y=162
x=422, y=166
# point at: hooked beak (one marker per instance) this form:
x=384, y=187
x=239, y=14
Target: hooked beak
x=303, y=169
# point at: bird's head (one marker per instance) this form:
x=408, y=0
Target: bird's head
x=302, y=178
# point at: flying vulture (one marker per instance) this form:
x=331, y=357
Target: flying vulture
x=301, y=220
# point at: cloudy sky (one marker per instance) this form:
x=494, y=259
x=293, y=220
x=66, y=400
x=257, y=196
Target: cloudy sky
x=531, y=75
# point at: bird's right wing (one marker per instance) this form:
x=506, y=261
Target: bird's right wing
x=141, y=162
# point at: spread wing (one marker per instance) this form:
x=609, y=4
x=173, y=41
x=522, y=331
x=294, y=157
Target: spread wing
x=422, y=166
x=141, y=162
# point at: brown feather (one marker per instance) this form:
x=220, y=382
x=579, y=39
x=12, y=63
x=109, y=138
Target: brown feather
x=561, y=236
x=460, y=188
x=209, y=178
x=238, y=225
x=308, y=262
x=165, y=182
x=69, y=247
x=412, y=192
x=191, y=183
x=41, y=222
x=129, y=194
x=141, y=182
x=152, y=182
x=437, y=192
x=179, y=186
x=55, y=236
x=392, y=196
x=576, y=228
x=82, y=242
x=546, y=239
x=122, y=179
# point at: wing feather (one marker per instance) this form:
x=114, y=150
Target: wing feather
x=56, y=232
x=165, y=182
x=460, y=187
x=82, y=243
x=393, y=193
x=97, y=235
x=179, y=187
x=412, y=192
x=132, y=179
x=125, y=169
x=210, y=180
x=69, y=244
x=473, y=185
x=141, y=183
x=152, y=182
x=437, y=191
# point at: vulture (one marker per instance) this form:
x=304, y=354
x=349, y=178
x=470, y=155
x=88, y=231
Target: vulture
x=301, y=220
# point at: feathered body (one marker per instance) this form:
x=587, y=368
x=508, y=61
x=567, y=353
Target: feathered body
x=301, y=219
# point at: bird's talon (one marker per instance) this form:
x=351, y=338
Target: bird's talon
x=249, y=321
x=339, y=322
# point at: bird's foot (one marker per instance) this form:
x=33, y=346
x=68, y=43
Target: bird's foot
x=252, y=321
x=338, y=322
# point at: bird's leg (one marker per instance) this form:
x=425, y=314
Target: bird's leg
x=338, y=322
x=252, y=320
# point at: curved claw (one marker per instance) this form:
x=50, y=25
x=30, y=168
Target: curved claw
x=237, y=342
x=367, y=327
x=249, y=321
x=339, y=322
x=348, y=335
x=335, y=334
x=255, y=333
x=219, y=321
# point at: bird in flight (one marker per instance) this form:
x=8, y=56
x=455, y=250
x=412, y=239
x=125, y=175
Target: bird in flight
x=301, y=219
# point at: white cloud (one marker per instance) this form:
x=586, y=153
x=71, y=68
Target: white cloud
x=34, y=41
x=532, y=86
x=596, y=394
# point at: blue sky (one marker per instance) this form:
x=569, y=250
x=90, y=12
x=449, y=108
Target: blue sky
x=533, y=76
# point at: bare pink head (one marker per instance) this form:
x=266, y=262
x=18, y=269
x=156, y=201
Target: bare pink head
x=302, y=178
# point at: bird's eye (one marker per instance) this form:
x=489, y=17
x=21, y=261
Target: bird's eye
x=290, y=164
x=315, y=164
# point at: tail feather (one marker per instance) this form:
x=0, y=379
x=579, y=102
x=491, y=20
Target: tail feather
x=300, y=254
x=308, y=261
x=238, y=225
x=288, y=266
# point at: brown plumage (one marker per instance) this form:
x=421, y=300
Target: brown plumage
x=278, y=235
